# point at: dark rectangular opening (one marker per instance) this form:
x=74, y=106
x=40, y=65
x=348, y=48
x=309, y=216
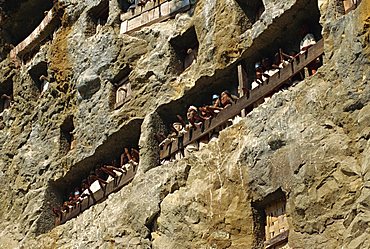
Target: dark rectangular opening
x=38, y=70
x=6, y=94
x=186, y=48
x=97, y=17
x=67, y=141
x=270, y=221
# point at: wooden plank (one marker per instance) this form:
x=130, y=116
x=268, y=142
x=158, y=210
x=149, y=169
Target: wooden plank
x=165, y=9
x=268, y=87
x=279, y=239
x=243, y=80
x=123, y=28
x=243, y=84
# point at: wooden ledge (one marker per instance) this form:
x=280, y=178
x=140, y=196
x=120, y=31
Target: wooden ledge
x=279, y=239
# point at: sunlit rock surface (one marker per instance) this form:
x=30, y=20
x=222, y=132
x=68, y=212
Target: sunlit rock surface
x=311, y=140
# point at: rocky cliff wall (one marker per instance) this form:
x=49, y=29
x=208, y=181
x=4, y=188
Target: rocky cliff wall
x=311, y=140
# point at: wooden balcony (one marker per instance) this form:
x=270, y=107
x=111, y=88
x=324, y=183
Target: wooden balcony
x=99, y=195
x=46, y=28
x=267, y=88
x=157, y=12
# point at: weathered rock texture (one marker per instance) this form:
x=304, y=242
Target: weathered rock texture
x=311, y=141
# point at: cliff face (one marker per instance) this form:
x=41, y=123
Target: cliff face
x=310, y=141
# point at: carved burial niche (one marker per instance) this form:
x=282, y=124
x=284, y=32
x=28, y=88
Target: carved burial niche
x=6, y=94
x=122, y=88
x=186, y=48
x=284, y=35
x=270, y=218
x=67, y=141
x=108, y=153
x=36, y=73
x=97, y=17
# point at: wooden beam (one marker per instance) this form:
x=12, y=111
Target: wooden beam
x=243, y=80
x=243, y=84
x=277, y=240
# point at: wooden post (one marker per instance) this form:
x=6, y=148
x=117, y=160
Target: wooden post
x=243, y=81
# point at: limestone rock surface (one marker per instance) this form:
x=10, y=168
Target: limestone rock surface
x=310, y=140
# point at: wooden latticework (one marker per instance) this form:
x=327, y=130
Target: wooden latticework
x=276, y=220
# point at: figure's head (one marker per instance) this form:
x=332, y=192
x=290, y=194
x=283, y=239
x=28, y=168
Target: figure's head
x=257, y=65
x=259, y=73
x=177, y=126
x=215, y=97
x=225, y=98
x=192, y=111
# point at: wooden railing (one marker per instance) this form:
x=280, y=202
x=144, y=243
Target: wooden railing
x=277, y=240
x=158, y=13
x=45, y=28
x=112, y=186
x=266, y=88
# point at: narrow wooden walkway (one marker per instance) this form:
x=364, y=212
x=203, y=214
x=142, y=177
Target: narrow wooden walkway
x=113, y=185
x=267, y=88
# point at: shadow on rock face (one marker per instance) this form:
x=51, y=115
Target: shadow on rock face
x=88, y=84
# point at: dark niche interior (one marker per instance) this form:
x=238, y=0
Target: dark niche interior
x=22, y=18
x=284, y=33
x=97, y=17
x=253, y=9
x=67, y=141
x=259, y=208
x=124, y=5
x=201, y=94
x=36, y=71
x=6, y=94
x=186, y=48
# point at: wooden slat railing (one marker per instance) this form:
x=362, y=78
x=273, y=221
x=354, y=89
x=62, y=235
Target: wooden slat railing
x=99, y=195
x=156, y=14
x=41, y=32
x=277, y=240
x=265, y=89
